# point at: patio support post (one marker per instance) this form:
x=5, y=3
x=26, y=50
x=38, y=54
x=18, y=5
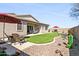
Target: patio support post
x=3, y=30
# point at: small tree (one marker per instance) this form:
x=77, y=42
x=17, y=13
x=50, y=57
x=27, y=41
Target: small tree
x=75, y=11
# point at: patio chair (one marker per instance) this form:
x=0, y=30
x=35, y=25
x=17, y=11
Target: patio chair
x=18, y=38
x=10, y=38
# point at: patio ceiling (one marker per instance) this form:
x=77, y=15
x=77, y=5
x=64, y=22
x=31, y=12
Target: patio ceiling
x=7, y=18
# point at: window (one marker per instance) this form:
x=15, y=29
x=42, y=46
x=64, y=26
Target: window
x=46, y=27
x=19, y=27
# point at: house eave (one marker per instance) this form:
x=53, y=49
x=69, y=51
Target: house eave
x=19, y=16
x=44, y=24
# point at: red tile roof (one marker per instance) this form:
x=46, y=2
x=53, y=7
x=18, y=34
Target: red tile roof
x=4, y=17
x=55, y=27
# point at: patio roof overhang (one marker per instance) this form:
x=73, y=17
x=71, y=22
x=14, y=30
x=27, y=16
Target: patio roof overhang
x=7, y=18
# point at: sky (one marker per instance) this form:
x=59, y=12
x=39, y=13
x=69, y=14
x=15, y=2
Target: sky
x=54, y=14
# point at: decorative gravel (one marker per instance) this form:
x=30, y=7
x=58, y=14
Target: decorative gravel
x=48, y=50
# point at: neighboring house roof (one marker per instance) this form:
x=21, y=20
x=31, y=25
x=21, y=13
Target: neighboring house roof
x=55, y=27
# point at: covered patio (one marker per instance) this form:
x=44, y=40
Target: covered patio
x=5, y=48
x=7, y=19
x=33, y=27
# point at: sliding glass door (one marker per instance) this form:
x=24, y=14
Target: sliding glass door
x=29, y=29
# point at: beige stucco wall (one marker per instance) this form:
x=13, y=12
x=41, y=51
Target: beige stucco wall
x=1, y=29
x=63, y=30
x=12, y=28
x=60, y=30
x=42, y=29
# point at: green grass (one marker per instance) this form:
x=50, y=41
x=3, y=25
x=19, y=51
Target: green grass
x=42, y=38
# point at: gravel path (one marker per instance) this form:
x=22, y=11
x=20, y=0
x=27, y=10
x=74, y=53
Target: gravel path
x=48, y=50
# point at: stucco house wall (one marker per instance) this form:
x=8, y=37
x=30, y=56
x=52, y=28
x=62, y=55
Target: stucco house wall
x=12, y=28
x=60, y=30
x=26, y=20
x=1, y=29
x=43, y=29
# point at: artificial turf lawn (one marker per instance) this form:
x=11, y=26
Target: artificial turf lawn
x=42, y=38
